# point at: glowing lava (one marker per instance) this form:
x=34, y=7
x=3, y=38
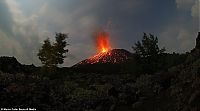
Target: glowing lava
x=102, y=42
x=104, y=50
x=114, y=56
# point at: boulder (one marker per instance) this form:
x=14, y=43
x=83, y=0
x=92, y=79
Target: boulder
x=194, y=99
x=10, y=65
x=136, y=105
x=198, y=41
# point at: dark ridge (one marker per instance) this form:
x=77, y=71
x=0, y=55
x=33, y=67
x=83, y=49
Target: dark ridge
x=11, y=65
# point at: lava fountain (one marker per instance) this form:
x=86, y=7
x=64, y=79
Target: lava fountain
x=105, y=54
x=102, y=42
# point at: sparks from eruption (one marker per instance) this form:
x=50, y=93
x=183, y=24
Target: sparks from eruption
x=102, y=42
x=103, y=47
x=105, y=54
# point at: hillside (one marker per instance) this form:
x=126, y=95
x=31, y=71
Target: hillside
x=114, y=56
x=106, y=62
x=11, y=65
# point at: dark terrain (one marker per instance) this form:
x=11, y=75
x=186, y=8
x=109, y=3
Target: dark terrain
x=115, y=81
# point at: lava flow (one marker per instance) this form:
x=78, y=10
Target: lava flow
x=102, y=42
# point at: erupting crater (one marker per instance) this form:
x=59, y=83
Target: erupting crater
x=105, y=54
x=102, y=42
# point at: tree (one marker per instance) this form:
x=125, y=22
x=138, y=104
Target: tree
x=59, y=47
x=148, y=47
x=149, y=54
x=52, y=55
x=45, y=53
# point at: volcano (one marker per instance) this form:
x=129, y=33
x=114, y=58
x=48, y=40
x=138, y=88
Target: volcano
x=114, y=56
x=106, y=61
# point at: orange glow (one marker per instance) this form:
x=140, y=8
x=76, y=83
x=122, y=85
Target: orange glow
x=102, y=42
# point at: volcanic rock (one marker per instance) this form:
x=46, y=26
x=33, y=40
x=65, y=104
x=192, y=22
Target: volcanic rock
x=12, y=66
x=107, y=61
x=9, y=64
x=194, y=99
x=115, y=56
x=198, y=41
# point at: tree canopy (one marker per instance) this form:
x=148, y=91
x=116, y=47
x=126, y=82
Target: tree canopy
x=148, y=46
x=53, y=54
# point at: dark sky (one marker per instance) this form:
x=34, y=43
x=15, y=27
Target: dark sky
x=24, y=24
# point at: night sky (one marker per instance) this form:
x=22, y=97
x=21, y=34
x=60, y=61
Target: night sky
x=24, y=24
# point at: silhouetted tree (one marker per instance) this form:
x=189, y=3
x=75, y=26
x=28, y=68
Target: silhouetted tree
x=45, y=53
x=52, y=55
x=59, y=47
x=149, y=54
x=148, y=46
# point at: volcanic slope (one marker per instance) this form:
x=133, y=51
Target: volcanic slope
x=114, y=56
x=105, y=61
